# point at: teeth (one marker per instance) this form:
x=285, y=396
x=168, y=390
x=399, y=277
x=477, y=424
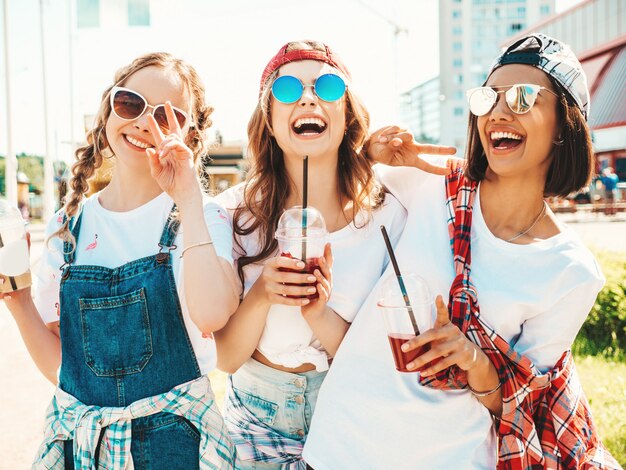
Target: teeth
x=138, y=143
x=300, y=122
x=505, y=135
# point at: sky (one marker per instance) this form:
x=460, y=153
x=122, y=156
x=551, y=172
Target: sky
x=228, y=41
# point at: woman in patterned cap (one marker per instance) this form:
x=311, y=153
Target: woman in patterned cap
x=497, y=386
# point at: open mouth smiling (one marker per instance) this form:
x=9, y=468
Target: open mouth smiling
x=137, y=143
x=309, y=126
x=505, y=140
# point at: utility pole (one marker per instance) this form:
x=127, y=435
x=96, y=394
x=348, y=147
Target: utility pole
x=10, y=170
x=48, y=176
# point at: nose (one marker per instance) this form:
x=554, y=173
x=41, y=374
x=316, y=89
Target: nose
x=141, y=123
x=500, y=110
x=308, y=96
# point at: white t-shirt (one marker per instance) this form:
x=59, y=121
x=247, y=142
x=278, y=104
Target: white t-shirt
x=111, y=239
x=359, y=259
x=369, y=416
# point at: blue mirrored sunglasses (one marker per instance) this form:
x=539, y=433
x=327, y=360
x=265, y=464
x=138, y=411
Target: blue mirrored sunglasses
x=328, y=87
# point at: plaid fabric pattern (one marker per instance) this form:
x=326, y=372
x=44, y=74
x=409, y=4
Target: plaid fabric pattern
x=546, y=421
x=67, y=418
x=257, y=442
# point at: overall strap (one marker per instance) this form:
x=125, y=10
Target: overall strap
x=74, y=226
x=170, y=231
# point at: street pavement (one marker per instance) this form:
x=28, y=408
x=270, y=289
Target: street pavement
x=25, y=394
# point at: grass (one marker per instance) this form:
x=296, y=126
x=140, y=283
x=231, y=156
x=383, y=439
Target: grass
x=604, y=383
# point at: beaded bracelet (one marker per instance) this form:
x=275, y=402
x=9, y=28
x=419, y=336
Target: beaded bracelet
x=487, y=393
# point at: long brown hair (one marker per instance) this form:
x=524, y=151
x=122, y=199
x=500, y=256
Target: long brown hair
x=268, y=185
x=89, y=157
x=572, y=154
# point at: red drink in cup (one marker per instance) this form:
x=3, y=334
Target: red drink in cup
x=397, y=320
x=302, y=234
x=310, y=265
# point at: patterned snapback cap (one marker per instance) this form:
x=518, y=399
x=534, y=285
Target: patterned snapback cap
x=554, y=58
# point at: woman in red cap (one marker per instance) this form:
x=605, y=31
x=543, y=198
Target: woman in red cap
x=279, y=343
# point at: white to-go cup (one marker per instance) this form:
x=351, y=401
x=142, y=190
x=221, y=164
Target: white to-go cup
x=14, y=257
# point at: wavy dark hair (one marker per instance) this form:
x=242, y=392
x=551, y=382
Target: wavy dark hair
x=572, y=154
x=90, y=157
x=268, y=185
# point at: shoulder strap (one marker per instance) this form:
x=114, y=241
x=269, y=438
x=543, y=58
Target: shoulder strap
x=170, y=230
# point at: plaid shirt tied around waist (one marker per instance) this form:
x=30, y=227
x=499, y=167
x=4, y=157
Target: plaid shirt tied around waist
x=256, y=441
x=546, y=421
x=67, y=418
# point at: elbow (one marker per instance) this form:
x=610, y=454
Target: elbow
x=227, y=366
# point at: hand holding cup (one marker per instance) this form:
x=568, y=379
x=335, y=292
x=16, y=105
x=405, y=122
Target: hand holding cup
x=444, y=345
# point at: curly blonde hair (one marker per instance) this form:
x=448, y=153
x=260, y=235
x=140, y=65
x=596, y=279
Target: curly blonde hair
x=90, y=157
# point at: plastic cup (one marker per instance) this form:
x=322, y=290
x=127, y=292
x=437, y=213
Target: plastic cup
x=395, y=312
x=14, y=256
x=302, y=235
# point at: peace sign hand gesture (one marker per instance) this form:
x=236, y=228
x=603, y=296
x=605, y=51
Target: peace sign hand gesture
x=395, y=146
x=171, y=161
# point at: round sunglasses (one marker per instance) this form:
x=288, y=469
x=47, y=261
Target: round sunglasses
x=328, y=87
x=128, y=105
x=520, y=97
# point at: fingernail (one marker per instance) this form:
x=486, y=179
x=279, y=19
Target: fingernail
x=404, y=347
x=305, y=301
x=310, y=279
x=311, y=290
x=410, y=366
x=1, y=280
x=300, y=264
x=7, y=296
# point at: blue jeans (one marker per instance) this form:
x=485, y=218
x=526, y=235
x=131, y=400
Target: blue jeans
x=282, y=400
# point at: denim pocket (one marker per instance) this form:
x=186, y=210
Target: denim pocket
x=264, y=410
x=116, y=333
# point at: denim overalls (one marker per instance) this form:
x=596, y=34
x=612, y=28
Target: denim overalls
x=123, y=338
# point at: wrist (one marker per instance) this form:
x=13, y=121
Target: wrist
x=189, y=202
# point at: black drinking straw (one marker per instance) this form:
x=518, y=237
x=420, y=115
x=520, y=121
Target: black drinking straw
x=305, y=186
x=405, y=296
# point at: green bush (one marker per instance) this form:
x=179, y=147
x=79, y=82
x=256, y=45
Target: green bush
x=604, y=331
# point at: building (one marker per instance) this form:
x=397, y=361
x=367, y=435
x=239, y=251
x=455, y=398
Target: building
x=470, y=35
x=596, y=32
x=224, y=166
x=419, y=108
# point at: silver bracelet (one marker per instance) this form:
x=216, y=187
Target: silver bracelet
x=487, y=393
x=210, y=242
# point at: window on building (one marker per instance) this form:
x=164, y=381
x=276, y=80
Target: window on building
x=457, y=31
x=88, y=13
x=457, y=63
x=459, y=95
x=544, y=10
x=458, y=79
x=458, y=111
x=138, y=12
x=521, y=12
x=515, y=27
x=456, y=14
x=457, y=46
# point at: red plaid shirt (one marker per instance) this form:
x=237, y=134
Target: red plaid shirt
x=546, y=421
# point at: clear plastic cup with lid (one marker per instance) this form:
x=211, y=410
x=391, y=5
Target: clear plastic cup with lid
x=14, y=256
x=302, y=234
